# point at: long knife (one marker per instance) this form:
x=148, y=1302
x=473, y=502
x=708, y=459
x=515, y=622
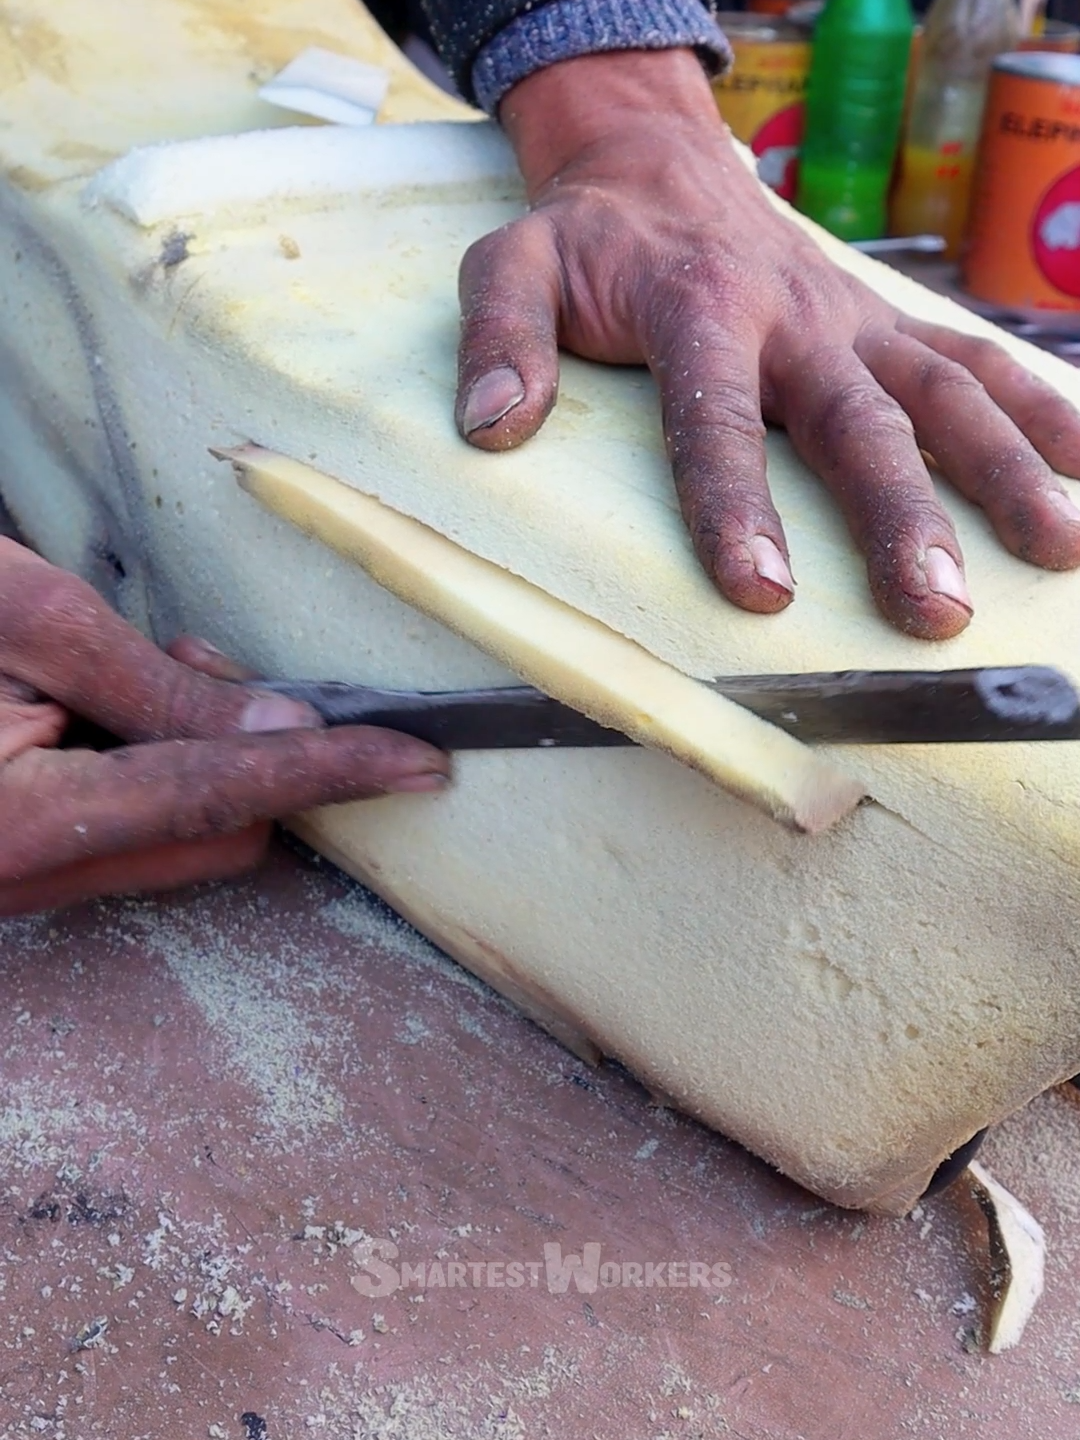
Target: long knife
x=849, y=707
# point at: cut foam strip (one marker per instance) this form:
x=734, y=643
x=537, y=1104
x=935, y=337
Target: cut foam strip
x=158, y=183
x=565, y=653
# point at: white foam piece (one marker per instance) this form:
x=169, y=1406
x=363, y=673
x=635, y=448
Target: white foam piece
x=329, y=86
x=158, y=183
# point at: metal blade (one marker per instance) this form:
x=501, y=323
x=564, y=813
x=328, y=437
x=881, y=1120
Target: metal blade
x=915, y=707
x=853, y=707
x=514, y=718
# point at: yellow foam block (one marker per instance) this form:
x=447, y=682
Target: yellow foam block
x=179, y=272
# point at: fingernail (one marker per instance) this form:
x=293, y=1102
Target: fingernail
x=418, y=784
x=198, y=643
x=1062, y=503
x=944, y=577
x=491, y=397
x=274, y=712
x=769, y=563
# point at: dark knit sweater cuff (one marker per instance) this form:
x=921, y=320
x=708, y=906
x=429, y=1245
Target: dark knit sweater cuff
x=565, y=29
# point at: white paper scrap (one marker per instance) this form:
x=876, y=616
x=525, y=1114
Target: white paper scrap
x=329, y=86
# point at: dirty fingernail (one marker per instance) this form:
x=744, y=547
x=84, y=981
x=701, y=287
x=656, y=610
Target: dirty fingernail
x=944, y=577
x=1064, y=506
x=769, y=563
x=274, y=712
x=418, y=784
x=491, y=397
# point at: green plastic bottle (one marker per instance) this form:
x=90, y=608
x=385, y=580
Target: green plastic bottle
x=854, y=105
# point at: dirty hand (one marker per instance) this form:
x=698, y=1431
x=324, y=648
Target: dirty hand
x=190, y=799
x=649, y=240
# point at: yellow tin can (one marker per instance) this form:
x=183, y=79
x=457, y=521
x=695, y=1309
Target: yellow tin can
x=761, y=96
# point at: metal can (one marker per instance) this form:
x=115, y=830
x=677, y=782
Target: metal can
x=761, y=96
x=1023, y=243
x=1055, y=35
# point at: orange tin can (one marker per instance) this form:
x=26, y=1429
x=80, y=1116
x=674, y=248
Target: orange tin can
x=761, y=96
x=1023, y=243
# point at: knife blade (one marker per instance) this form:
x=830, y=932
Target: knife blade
x=850, y=707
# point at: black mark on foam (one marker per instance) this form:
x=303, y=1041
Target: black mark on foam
x=174, y=250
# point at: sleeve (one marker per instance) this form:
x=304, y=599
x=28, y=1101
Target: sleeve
x=489, y=45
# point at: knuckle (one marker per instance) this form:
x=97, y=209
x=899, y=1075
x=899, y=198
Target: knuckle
x=32, y=818
x=478, y=259
x=810, y=303
x=861, y=407
x=935, y=375
x=721, y=530
x=1043, y=414
x=210, y=800
x=985, y=357
x=898, y=522
x=194, y=704
x=478, y=280
x=514, y=248
x=821, y=297
x=250, y=780
x=54, y=604
x=708, y=412
x=705, y=267
x=982, y=351
x=686, y=298
x=722, y=506
x=1008, y=472
x=1046, y=406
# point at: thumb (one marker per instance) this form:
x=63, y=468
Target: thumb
x=508, y=359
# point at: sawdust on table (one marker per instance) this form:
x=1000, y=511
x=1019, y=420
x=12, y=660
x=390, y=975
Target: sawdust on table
x=509, y=1400
x=259, y=998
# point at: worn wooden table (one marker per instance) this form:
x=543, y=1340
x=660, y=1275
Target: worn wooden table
x=224, y=1111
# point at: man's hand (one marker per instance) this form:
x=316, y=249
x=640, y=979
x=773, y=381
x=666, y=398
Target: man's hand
x=649, y=241
x=190, y=799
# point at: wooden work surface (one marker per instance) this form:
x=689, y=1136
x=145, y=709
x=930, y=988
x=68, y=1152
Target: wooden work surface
x=204, y=1096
